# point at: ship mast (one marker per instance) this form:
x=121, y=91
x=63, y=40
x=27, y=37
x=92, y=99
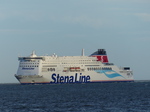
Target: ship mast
x=82, y=52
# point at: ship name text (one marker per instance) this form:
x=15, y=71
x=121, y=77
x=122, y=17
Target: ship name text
x=70, y=79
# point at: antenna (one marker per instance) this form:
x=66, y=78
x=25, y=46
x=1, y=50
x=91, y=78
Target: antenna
x=33, y=52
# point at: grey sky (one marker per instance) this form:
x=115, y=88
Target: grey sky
x=64, y=27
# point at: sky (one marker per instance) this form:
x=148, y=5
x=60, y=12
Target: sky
x=64, y=27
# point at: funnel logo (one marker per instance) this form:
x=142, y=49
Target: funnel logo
x=103, y=59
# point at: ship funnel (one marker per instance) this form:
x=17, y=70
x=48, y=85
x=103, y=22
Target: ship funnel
x=101, y=55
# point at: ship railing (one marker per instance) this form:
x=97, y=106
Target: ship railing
x=31, y=58
x=108, y=64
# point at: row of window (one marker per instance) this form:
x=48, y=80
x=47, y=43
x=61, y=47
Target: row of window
x=28, y=63
x=51, y=69
x=104, y=68
x=68, y=60
x=78, y=63
x=70, y=63
x=48, y=69
x=29, y=66
x=49, y=63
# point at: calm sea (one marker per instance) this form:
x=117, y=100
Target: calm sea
x=98, y=97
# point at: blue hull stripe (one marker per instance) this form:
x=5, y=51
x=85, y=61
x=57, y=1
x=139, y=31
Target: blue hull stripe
x=80, y=82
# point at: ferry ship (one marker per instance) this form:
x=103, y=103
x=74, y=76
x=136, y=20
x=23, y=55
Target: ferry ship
x=55, y=69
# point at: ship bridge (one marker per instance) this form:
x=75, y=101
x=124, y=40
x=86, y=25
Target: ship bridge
x=33, y=56
x=30, y=58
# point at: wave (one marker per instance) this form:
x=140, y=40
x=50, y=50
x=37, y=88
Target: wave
x=109, y=73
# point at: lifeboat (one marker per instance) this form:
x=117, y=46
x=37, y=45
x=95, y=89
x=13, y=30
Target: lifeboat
x=74, y=68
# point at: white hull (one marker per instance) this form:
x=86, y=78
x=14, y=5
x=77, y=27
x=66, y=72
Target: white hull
x=48, y=80
x=69, y=69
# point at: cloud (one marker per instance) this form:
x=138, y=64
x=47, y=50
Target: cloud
x=145, y=39
x=134, y=1
x=38, y=16
x=143, y=16
x=18, y=31
x=83, y=20
x=2, y=16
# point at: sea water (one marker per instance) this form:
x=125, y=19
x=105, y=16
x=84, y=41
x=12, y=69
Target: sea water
x=95, y=97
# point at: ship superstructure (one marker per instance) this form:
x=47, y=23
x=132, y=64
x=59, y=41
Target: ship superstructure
x=70, y=69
